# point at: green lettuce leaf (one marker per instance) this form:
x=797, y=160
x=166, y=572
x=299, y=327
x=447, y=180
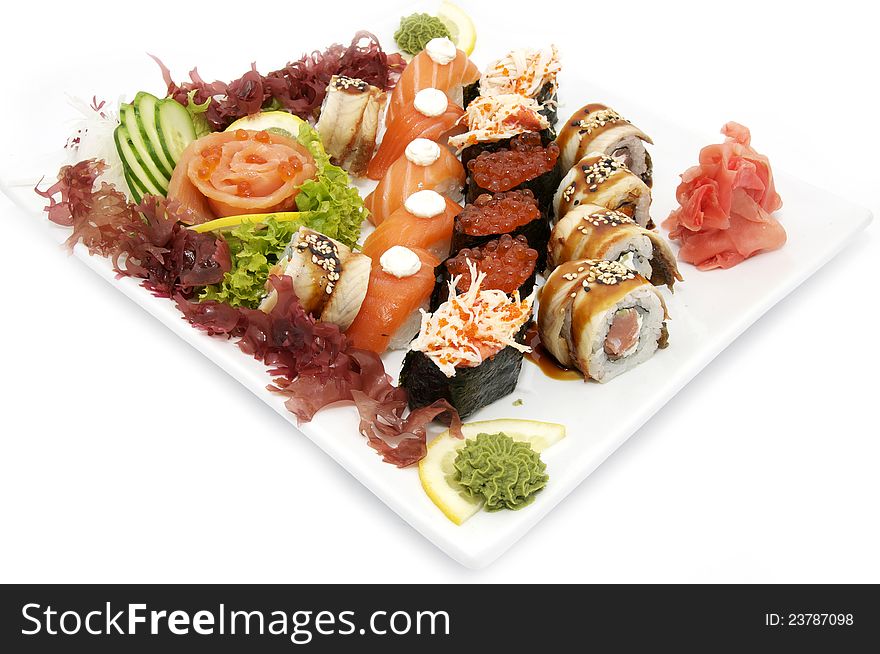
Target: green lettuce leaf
x=197, y=113
x=336, y=210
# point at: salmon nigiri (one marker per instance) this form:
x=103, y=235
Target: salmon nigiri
x=441, y=66
x=424, y=221
x=401, y=283
x=415, y=121
x=424, y=165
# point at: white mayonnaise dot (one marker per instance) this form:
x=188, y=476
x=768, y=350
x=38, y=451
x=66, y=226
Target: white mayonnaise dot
x=431, y=102
x=425, y=204
x=422, y=152
x=441, y=50
x=400, y=262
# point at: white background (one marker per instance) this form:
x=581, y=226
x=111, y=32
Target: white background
x=124, y=453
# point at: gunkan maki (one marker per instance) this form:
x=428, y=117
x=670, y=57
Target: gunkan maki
x=508, y=263
x=490, y=216
x=526, y=162
x=469, y=351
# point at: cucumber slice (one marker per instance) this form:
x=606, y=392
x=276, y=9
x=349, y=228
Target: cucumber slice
x=175, y=127
x=437, y=473
x=145, y=108
x=144, y=151
x=140, y=182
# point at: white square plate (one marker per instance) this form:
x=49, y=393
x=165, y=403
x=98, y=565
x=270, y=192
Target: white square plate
x=708, y=311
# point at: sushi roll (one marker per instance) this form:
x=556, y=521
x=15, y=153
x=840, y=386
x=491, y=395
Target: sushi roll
x=441, y=66
x=469, y=351
x=598, y=128
x=508, y=263
x=329, y=279
x=424, y=165
x=527, y=72
x=592, y=232
x=607, y=182
x=425, y=220
x=490, y=216
x=401, y=283
x=601, y=318
x=350, y=121
x=491, y=121
x=525, y=163
x=431, y=115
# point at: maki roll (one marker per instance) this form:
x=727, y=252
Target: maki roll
x=601, y=318
x=508, y=263
x=401, y=283
x=524, y=163
x=526, y=72
x=592, y=232
x=490, y=216
x=598, y=128
x=329, y=279
x=491, y=121
x=607, y=182
x=469, y=351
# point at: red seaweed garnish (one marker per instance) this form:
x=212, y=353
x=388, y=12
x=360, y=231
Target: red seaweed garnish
x=314, y=366
x=299, y=87
x=149, y=241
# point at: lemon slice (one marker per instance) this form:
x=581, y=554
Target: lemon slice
x=461, y=27
x=230, y=222
x=275, y=122
x=437, y=472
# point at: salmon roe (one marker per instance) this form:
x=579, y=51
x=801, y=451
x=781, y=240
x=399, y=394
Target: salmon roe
x=507, y=168
x=255, y=159
x=244, y=189
x=499, y=213
x=508, y=262
x=241, y=135
x=262, y=136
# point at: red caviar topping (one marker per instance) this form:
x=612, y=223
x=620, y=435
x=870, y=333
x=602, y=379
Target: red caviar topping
x=255, y=159
x=244, y=189
x=508, y=262
x=499, y=214
x=241, y=135
x=507, y=168
x=262, y=136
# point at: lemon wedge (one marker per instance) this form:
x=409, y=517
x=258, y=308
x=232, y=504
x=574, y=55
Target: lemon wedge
x=437, y=472
x=230, y=222
x=274, y=122
x=461, y=27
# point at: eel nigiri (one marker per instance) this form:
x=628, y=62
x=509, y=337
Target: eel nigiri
x=401, y=282
x=329, y=279
x=411, y=122
x=424, y=165
x=424, y=221
x=349, y=122
x=441, y=66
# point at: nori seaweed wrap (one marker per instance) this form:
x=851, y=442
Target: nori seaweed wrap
x=470, y=389
x=489, y=216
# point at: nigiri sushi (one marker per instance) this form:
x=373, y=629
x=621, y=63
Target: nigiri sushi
x=441, y=66
x=329, y=279
x=425, y=221
x=349, y=122
x=424, y=165
x=401, y=282
x=431, y=115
